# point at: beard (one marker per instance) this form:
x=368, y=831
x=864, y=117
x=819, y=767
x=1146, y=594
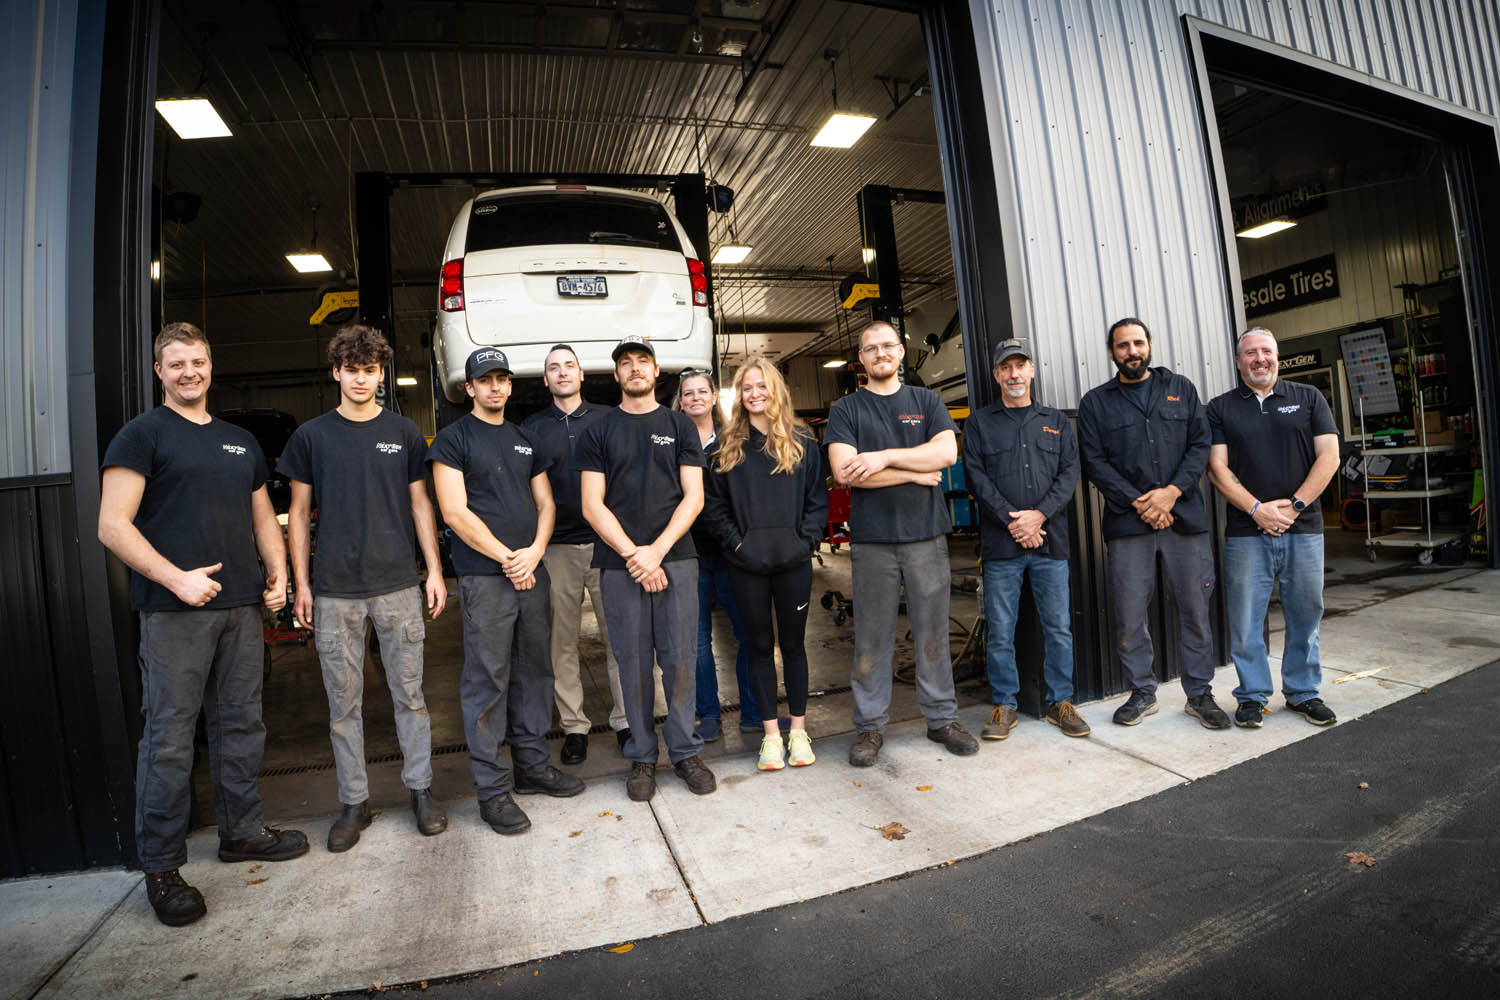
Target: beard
x=1134, y=368
x=647, y=388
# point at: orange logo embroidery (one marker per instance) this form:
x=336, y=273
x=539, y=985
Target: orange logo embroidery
x=1050, y=430
x=1174, y=399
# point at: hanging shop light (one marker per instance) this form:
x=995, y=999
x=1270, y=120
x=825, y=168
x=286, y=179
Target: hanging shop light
x=406, y=380
x=835, y=363
x=843, y=128
x=1266, y=229
x=310, y=261
x=731, y=253
x=192, y=117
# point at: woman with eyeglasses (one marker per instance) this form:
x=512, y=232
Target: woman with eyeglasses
x=766, y=498
x=698, y=398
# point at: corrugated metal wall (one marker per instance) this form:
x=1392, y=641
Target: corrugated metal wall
x=36, y=96
x=1108, y=166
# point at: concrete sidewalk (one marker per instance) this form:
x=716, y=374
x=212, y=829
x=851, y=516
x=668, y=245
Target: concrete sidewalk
x=599, y=870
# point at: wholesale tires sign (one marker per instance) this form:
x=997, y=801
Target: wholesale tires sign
x=1288, y=287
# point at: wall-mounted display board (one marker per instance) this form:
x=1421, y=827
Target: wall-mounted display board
x=1367, y=364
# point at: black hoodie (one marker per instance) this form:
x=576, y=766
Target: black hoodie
x=766, y=522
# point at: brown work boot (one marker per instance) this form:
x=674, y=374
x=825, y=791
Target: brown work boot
x=700, y=780
x=1001, y=721
x=344, y=833
x=176, y=903
x=1064, y=716
x=865, y=749
x=641, y=784
x=956, y=738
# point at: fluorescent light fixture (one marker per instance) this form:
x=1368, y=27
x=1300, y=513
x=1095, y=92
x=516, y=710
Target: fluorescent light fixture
x=730, y=254
x=867, y=254
x=406, y=380
x=843, y=130
x=1265, y=229
x=834, y=363
x=193, y=118
x=309, y=263
x=156, y=270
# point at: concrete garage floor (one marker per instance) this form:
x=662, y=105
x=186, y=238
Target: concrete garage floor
x=598, y=870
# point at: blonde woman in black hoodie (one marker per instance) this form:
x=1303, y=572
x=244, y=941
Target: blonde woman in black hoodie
x=766, y=499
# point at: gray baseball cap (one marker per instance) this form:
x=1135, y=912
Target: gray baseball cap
x=1010, y=348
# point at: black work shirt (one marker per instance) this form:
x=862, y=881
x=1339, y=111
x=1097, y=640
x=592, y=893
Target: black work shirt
x=640, y=455
x=907, y=418
x=556, y=433
x=1128, y=452
x=498, y=462
x=361, y=473
x=1271, y=447
x=1027, y=465
x=195, y=509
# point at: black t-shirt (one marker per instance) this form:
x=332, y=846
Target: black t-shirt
x=498, y=463
x=1271, y=446
x=360, y=473
x=907, y=418
x=557, y=433
x=195, y=509
x=1138, y=393
x=640, y=455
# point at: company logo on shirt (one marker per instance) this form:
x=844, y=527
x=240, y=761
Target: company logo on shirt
x=1289, y=409
x=909, y=419
x=662, y=439
x=524, y=449
x=233, y=449
x=1051, y=430
x=1174, y=399
x=388, y=447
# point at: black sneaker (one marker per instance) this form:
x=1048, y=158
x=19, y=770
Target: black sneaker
x=549, y=781
x=270, y=844
x=1139, y=705
x=1314, y=711
x=1249, y=714
x=1207, y=711
x=176, y=903
x=700, y=780
x=575, y=748
x=503, y=815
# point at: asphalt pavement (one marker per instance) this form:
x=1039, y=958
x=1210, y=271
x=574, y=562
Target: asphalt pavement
x=1360, y=864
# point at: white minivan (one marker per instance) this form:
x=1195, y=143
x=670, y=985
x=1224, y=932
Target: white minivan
x=529, y=267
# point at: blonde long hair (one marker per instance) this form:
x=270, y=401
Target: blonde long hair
x=787, y=441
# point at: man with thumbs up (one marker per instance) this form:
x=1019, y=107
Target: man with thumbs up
x=183, y=503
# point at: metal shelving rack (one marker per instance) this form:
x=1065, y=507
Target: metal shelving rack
x=1419, y=537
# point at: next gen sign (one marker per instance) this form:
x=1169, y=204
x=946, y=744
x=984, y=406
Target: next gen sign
x=1292, y=286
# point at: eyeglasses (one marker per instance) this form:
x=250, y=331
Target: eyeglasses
x=690, y=372
x=872, y=350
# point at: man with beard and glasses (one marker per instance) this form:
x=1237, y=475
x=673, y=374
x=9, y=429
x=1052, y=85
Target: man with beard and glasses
x=642, y=488
x=1021, y=464
x=1275, y=447
x=556, y=431
x=492, y=488
x=1145, y=443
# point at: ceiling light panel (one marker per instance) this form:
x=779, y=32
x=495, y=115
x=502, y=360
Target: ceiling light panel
x=309, y=263
x=843, y=130
x=193, y=118
x=1266, y=229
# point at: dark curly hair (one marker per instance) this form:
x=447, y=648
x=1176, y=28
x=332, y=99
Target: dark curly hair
x=356, y=344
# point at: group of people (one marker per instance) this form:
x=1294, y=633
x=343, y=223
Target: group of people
x=657, y=512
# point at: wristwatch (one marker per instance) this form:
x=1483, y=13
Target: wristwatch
x=1298, y=505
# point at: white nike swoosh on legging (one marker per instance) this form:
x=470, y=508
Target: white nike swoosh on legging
x=801, y=606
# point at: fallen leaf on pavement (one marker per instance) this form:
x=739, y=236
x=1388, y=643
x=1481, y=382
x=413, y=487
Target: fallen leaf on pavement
x=924, y=788
x=256, y=881
x=254, y=869
x=1360, y=858
x=607, y=812
x=1357, y=675
x=1364, y=784
x=858, y=785
x=575, y=833
x=620, y=949
x=893, y=831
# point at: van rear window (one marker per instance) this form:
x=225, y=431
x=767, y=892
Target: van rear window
x=547, y=219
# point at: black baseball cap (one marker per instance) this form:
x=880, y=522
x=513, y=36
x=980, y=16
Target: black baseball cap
x=634, y=342
x=1010, y=348
x=485, y=360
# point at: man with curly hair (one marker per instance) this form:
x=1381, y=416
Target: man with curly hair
x=362, y=467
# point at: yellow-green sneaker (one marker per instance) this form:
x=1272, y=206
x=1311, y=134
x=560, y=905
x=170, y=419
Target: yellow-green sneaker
x=770, y=754
x=799, y=749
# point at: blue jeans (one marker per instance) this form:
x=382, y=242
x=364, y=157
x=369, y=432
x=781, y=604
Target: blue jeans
x=713, y=584
x=1252, y=565
x=1002, y=603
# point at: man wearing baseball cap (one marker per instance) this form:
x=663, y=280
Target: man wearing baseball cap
x=493, y=491
x=1021, y=463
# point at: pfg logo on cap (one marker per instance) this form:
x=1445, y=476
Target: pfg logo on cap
x=485, y=357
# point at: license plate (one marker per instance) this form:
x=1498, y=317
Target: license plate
x=589, y=288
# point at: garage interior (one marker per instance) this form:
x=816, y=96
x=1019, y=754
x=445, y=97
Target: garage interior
x=316, y=93
x=1345, y=233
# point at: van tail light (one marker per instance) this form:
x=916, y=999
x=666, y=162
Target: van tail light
x=699, y=278
x=451, y=298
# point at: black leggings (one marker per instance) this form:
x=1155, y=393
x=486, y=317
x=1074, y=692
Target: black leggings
x=790, y=592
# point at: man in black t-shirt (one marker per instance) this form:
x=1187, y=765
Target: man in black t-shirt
x=362, y=467
x=570, y=553
x=642, y=487
x=184, y=505
x=492, y=487
x=1275, y=448
x=890, y=442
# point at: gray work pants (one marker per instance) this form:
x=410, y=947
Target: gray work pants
x=506, y=686
x=657, y=628
x=339, y=630
x=879, y=569
x=213, y=660
x=1187, y=564
x=568, y=566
